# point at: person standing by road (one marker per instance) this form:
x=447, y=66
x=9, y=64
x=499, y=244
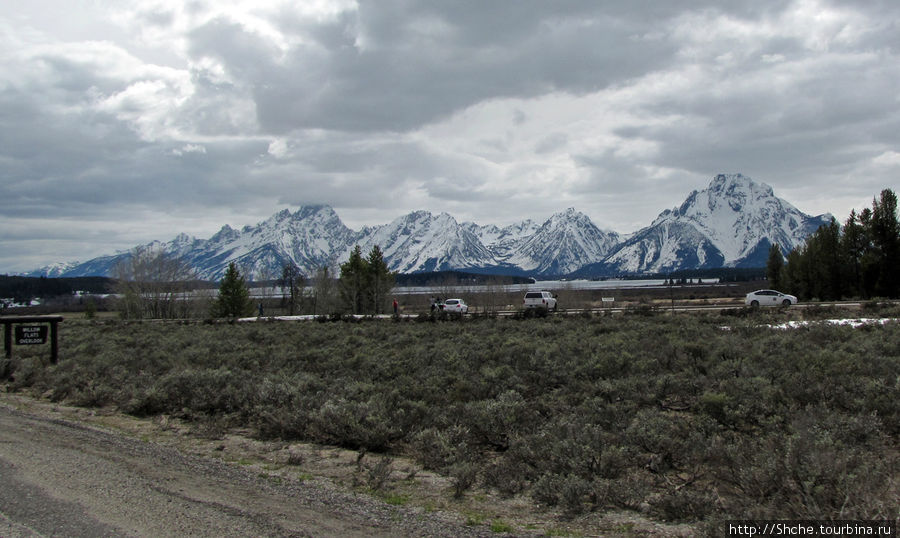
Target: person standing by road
x=396, y=307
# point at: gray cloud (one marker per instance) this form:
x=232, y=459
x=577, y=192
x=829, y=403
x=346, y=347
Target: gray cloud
x=161, y=116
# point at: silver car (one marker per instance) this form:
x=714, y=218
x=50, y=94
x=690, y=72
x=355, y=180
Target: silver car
x=769, y=298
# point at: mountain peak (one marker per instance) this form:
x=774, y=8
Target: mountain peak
x=227, y=233
x=737, y=184
x=732, y=222
x=309, y=210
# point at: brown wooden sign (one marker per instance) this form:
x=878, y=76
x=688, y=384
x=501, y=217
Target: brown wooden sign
x=31, y=334
x=31, y=330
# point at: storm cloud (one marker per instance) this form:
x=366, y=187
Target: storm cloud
x=123, y=122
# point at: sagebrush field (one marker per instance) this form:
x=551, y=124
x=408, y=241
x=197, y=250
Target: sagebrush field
x=686, y=417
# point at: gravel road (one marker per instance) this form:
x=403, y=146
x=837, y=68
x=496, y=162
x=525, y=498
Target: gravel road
x=61, y=478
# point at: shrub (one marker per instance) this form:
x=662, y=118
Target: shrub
x=644, y=413
x=684, y=504
x=463, y=475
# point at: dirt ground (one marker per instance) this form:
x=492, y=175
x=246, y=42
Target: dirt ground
x=345, y=492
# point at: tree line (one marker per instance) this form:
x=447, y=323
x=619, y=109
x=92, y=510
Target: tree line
x=152, y=283
x=22, y=289
x=859, y=259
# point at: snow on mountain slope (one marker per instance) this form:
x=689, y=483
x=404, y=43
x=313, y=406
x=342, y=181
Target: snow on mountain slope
x=54, y=270
x=737, y=213
x=421, y=241
x=503, y=242
x=306, y=238
x=564, y=243
x=730, y=223
x=665, y=246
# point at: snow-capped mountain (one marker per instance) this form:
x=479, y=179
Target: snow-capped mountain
x=503, y=242
x=306, y=238
x=55, y=270
x=312, y=237
x=421, y=241
x=557, y=247
x=731, y=223
x=563, y=244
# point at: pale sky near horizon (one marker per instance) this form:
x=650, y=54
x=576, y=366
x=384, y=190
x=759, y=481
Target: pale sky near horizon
x=123, y=122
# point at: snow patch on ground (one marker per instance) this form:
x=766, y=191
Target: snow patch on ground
x=848, y=322
x=855, y=323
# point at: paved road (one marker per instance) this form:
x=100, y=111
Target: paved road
x=59, y=478
x=613, y=308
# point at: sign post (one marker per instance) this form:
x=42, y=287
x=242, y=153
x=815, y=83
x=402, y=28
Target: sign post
x=31, y=330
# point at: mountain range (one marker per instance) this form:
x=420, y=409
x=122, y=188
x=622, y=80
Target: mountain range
x=731, y=223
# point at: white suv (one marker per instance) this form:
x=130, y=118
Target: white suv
x=540, y=299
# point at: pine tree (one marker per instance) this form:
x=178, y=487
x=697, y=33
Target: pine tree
x=365, y=282
x=830, y=264
x=381, y=280
x=234, y=297
x=859, y=260
x=354, y=281
x=794, y=275
x=854, y=244
x=868, y=263
x=885, y=233
x=774, y=265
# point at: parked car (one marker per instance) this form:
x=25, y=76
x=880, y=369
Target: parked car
x=455, y=305
x=769, y=298
x=540, y=299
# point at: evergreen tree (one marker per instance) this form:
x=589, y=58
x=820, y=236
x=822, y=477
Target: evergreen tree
x=381, y=280
x=794, y=274
x=868, y=263
x=774, y=266
x=365, y=282
x=860, y=260
x=234, y=297
x=885, y=233
x=854, y=244
x=828, y=262
x=354, y=281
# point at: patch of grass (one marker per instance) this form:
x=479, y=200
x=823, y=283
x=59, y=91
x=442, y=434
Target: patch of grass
x=395, y=499
x=624, y=528
x=474, y=519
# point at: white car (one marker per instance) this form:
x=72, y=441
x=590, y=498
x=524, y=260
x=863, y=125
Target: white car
x=455, y=305
x=540, y=299
x=769, y=298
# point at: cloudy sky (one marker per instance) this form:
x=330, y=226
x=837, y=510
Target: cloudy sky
x=127, y=121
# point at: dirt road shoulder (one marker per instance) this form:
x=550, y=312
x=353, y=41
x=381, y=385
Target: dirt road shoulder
x=77, y=479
